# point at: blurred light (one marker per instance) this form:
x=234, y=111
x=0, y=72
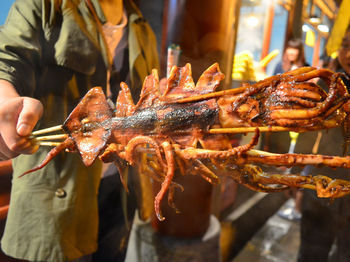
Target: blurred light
x=334, y=55
x=310, y=38
x=305, y=28
x=252, y=20
x=323, y=28
x=314, y=20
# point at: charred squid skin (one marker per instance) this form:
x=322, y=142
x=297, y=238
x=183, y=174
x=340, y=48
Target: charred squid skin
x=168, y=118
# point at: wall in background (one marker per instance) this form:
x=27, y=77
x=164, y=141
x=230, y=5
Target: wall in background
x=4, y=8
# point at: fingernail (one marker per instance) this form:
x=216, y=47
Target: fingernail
x=23, y=129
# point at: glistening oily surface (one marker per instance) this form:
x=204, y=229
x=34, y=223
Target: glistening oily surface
x=192, y=128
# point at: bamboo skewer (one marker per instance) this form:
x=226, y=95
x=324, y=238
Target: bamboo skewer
x=47, y=130
x=237, y=130
x=317, y=143
x=234, y=130
x=47, y=143
x=46, y=140
x=256, y=152
x=52, y=137
x=212, y=95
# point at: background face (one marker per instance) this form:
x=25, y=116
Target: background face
x=292, y=54
x=344, y=53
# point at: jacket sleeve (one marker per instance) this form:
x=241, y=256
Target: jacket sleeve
x=20, y=45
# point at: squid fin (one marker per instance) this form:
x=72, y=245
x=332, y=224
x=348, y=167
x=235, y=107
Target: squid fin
x=125, y=105
x=85, y=125
x=180, y=83
x=210, y=79
x=150, y=92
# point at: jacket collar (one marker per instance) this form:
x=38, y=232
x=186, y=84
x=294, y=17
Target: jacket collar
x=129, y=5
x=134, y=17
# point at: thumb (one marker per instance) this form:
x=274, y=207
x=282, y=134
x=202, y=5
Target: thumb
x=29, y=115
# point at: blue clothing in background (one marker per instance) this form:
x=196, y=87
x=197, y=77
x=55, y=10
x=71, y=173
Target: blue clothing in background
x=4, y=9
x=278, y=69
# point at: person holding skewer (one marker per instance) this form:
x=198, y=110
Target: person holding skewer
x=52, y=53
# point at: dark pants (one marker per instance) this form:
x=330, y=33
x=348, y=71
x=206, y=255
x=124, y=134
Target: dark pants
x=114, y=219
x=324, y=223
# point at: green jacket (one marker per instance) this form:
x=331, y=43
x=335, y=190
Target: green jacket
x=52, y=50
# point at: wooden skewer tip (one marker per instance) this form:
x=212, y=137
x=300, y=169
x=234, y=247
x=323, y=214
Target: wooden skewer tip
x=51, y=137
x=47, y=143
x=47, y=130
x=237, y=130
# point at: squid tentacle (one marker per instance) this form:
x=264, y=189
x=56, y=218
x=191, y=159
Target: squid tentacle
x=310, y=113
x=153, y=172
x=195, y=153
x=258, y=180
x=67, y=144
x=138, y=140
x=168, y=152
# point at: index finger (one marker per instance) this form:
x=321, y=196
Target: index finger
x=31, y=111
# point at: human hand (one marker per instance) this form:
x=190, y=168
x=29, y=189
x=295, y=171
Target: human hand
x=18, y=116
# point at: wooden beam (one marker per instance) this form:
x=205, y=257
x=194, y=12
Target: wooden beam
x=267, y=30
x=327, y=7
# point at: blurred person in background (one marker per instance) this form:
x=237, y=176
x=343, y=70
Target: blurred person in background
x=293, y=57
x=51, y=54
